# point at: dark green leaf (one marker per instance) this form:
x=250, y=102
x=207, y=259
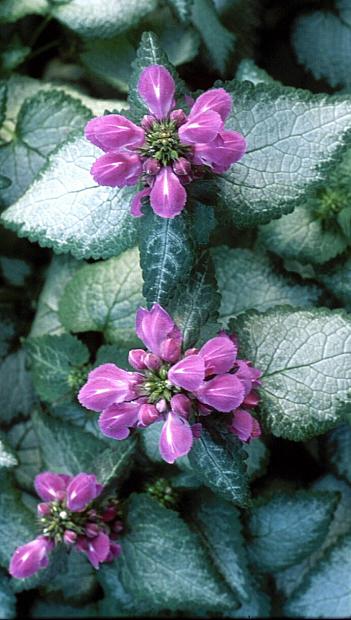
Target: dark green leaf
x=337, y=279
x=220, y=464
x=65, y=210
x=109, y=60
x=301, y=235
x=163, y=563
x=7, y=599
x=305, y=358
x=182, y=8
x=44, y=122
x=64, y=447
x=23, y=439
x=77, y=583
x=338, y=445
x=104, y=297
x=12, y=10
x=218, y=41
x=16, y=389
x=286, y=528
x=46, y=320
x=325, y=592
x=166, y=255
x=105, y=19
x=284, y=158
x=322, y=43
x=15, y=271
x=54, y=359
x=195, y=303
x=17, y=523
x=239, y=270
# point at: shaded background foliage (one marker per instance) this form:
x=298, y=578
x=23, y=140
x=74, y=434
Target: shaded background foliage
x=258, y=530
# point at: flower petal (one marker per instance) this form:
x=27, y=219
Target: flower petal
x=203, y=127
x=137, y=202
x=50, y=486
x=219, y=354
x=117, y=169
x=81, y=491
x=225, y=150
x=224, y=392
x=244, y=425
x=154, y=327
x=189, y=373
x=168, y=196
x=176, y=438
x=30, y=558
x=156, y=86
x=108, y=384
x=96, y=549
x=113, y=132
x=216, y=100
x=116, y=420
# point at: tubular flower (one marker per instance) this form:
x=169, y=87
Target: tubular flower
x=68, y=514
x=171, y=386
x=169, y=149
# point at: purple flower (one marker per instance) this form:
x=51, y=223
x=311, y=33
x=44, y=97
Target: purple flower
x=169, y=149
x=67, y=517
x=244, y=425
x=170, y=386
x=30, y=558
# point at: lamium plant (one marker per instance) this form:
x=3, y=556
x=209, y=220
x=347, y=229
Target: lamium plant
x=175, y=298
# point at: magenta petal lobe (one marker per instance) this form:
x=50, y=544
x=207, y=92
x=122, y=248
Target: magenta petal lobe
x=224, y=392
x=108, y=384
x=156, y=87
x=30, y=558
x=114, y=132
x=215, y=100
x=176, y=438
x=189, y=373
x=168, y=196
x=116, y=420
x=219, y=354
x=50, y=486
x=81, y=491
x=117, y=169
x=154, y=327
x=203, y=127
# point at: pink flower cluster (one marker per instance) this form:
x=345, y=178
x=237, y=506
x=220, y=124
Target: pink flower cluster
x=174, y=387
x=68, y=514
x=169, y=149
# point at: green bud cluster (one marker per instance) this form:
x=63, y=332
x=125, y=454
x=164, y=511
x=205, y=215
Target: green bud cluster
x=163, y=144
x=77, y=377
x=61, y=519
x=163, y=492
x=157, y=385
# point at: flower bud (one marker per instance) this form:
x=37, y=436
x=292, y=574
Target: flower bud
x=92, y=530
x=203, y=409
x=69, y=537
x=109, y=514
x=152, y=362
x=43, y=509
x=117, y=527
x=170, y=349
x=196, y=430
x=147, y=414
x=178, y=117
x=152, y=166
x=181, y=405
x=161, y=406
x=147, y=122
x=192, y=351
x=136, y=358
x=115, y=551
x=182, y=166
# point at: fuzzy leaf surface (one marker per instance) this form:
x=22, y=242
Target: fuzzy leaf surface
x=104, y=297
x=305, y=358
